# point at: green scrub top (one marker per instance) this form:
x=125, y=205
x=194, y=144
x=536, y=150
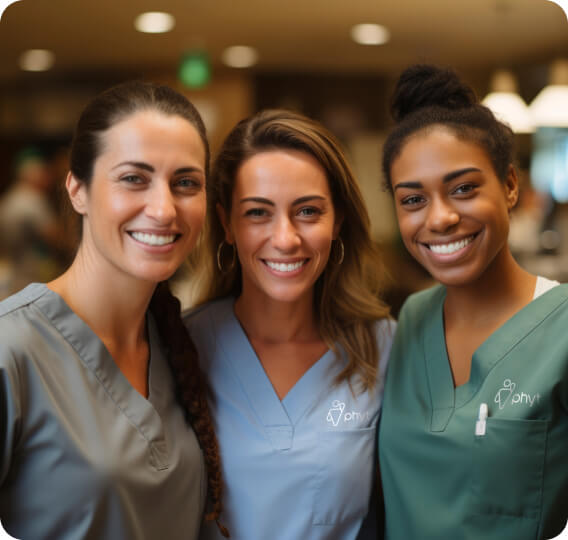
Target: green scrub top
x=440, y=479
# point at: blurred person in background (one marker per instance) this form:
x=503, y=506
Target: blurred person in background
x=104, y=426
x=292, y=334
x=473, y=435
x=32, y=238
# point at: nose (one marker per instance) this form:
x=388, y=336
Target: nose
x=160, y=203
x=285, y=235
x=442, y=216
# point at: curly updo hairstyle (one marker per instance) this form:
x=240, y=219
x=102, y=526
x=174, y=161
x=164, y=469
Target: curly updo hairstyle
x=426, y=96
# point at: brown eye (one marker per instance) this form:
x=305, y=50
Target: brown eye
x=309, y=211
x=256, y=212
x=464, y=189
x=412, y=200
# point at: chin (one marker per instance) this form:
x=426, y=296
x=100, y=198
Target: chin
x=155, y=276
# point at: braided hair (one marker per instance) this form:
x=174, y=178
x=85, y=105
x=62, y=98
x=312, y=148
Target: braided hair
x=103, y=112
x=190, y=389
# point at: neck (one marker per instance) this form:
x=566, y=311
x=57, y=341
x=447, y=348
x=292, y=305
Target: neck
x=277, y=322
x=113, y=304
x=502, y=289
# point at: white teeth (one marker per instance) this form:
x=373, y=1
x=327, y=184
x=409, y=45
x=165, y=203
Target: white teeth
x=446, y=249
x=284, y=267
x=153, y=239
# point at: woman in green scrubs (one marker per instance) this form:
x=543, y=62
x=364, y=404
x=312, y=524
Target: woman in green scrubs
x=474, y=429
x=94, y=442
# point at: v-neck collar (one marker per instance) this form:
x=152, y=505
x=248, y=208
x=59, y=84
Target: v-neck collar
x=277, y=416
x=96, y=358
x=445, y=398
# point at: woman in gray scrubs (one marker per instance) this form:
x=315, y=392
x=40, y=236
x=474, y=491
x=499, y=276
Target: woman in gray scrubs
x=98, y=377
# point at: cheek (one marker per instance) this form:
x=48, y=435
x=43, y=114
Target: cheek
x=408, y=224
x=247, y=239
x=194, y=211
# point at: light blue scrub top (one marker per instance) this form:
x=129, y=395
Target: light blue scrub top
x=300, y=468
x=82, y=454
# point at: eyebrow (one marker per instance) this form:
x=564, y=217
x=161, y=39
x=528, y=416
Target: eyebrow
x=149, y=168
x=300, y=200
x=445, y=179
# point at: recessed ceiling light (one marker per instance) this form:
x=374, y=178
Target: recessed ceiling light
x=4, y=4
x=154, y=22
x=240, y=56
x=563, y=4
x=370, y=34
x=36, y=60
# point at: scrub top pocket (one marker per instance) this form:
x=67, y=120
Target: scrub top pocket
x=508, y=470
x=344, y=478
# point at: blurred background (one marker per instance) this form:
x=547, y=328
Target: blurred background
x=333, y=60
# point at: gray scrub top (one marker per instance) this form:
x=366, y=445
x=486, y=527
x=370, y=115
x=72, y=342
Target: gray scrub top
x=83, y=454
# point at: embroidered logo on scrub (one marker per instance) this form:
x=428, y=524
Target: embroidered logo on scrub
x=336, y=412
x=507, y=394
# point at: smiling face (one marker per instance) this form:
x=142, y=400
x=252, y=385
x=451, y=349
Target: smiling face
x=282, y=222
x=145, y=204
x=452, y=209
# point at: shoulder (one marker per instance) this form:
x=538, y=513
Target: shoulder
x=22, y=299
x=384, y=330
x=17, y=315
x=206, y=313
x=207, y=322
x=558, y=291
x=423, y=304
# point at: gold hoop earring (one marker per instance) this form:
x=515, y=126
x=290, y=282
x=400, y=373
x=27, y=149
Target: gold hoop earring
x=233, y=259
x=341, y=251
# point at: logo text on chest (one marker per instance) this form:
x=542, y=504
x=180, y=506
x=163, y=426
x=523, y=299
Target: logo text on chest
x=507, y=395
x=337, y=414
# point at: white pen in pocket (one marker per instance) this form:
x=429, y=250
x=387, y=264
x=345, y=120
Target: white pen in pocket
x=480, y=425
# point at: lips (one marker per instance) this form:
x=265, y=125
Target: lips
x=450, y=247
x=152, y=239
x=285, y=267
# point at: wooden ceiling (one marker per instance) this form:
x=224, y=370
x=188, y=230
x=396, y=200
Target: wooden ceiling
x=92, y=36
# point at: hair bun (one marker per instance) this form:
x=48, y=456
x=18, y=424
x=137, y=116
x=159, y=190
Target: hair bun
x=423, y=85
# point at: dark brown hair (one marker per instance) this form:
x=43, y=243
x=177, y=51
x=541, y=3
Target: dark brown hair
x=426, y=96
x=106, y=110
x=346, y=297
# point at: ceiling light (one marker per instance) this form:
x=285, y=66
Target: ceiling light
x=370, y=34
x=154, y=22
x=507, y=105
x=36, y=60
x=240, y=56
x=4, y=4
x=563, y=4
x=550, y=107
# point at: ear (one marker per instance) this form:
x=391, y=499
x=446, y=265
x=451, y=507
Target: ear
x=77, y=192
x=225, y=222
x=512, y=188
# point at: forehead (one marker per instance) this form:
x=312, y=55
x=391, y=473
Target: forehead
x=152, y=132
x=279, y=173
x=436, y=151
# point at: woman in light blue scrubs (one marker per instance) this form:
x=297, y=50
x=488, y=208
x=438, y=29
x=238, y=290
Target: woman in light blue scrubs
x=474, y=429
x=293, y=334
x=98, y=376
